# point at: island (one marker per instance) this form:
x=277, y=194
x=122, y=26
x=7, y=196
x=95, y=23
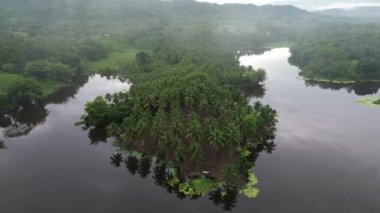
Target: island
x=192, y=120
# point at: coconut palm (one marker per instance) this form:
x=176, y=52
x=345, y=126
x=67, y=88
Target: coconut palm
x=194, y=130
x=216, y=140
x=230, y=173
x=196, y=152
x=233, y=136
x=179, y=152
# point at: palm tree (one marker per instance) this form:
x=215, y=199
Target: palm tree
x=168, y=142
x=157, y=124
x=249, y=127
x=230, y=173
x=179, y=152
x=196, y=152
x=143, y=124
x=194, y=131
x=233, y=137
x=113, y=129
x=216, y=140
x=176, y=124
x=108, y=97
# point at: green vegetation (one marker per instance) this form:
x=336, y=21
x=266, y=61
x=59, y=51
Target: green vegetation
x=336, y=81
x=113, y=62
x=203, y=185
x=369, y=101
x=341, y=54
x=250, y=191
x=26, y=92
x=377, y=101
x=7, y=80
x=44, y=69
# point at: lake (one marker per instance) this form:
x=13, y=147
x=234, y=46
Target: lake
x=326, y=159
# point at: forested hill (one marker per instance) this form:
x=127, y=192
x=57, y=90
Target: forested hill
x=283, y=21
x=176, y=7
x=369, y=13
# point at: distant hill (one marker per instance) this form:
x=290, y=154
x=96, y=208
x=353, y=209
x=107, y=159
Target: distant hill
x=360, y=12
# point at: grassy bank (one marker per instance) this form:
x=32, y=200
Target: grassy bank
x=8, y=79
x=369, y=101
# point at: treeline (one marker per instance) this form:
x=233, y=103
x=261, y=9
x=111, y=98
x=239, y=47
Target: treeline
x=340, y=52
x=49, y=59
x=214, y=61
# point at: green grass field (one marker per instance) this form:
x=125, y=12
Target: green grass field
x=114, y=61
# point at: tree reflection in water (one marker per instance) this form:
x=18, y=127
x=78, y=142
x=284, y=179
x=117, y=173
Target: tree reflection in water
x=22, y=121
x=162, y=173
x=97, y=135
x=257, y=91
x=359, y=88
x=2, y=145
x=132, y=164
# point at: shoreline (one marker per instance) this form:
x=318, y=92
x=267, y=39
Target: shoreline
x=369, y=101
x=338, y=81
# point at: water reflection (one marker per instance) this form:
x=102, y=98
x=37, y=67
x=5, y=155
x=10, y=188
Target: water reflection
x=223, y=196
x=97, y=135
x=22, y=121
x=64, y=94
x=2, y=145
x=257, y=91
x=359, y=88
x=166, y=175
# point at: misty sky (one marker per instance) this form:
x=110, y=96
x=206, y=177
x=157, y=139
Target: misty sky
x=309, y=4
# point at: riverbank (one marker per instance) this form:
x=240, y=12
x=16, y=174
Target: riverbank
x=337, y=81
x=369, y=101
x=7, y=80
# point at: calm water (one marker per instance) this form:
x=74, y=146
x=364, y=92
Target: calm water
x=327, y=156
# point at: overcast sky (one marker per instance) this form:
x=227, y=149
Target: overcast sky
x=307, y=4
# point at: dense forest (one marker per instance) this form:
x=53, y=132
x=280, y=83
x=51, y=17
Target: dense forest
x=346, y=53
